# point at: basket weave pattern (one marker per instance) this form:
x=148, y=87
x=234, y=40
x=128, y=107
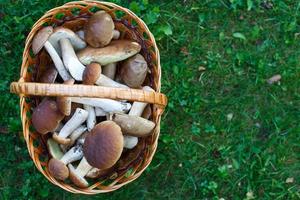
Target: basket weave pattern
x=73, y=15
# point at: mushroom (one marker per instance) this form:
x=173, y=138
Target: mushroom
x=65, y=33
x=147, y=112
x=80, y=34
x=74, y=136
x=64, y=103
x=92, y=75
x=49, y=75
x=134, y=71
x=54, y=149
x=57, y=167
x=106, y=105
x=77, y=175
x=133, y=125
x=72, y=64
x=103, y=146
x=91, y=120
x=130, y=141
x=40, y=41
x=99, y=30
x=77, y=119
x=116, y=51
x=110, y=70
x=96, y=173
x=116, y=34
x=100, y=112
x=46, y=116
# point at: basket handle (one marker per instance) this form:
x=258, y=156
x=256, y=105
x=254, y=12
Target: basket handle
x=46, y=89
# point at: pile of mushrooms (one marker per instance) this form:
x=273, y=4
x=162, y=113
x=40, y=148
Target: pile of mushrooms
x=87, y=136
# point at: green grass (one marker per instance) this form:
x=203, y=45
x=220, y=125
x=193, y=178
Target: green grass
x=225, y=134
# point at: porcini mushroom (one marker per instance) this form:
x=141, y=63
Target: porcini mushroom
x=133, y=125
x=92, y=75
x=65, y=33
x=77, y=119
x=74, y=136
x=46, y=116
x=99, y=30
x=103, y=146
x=134, y=71
x=40, y=41
x=130, y=141
x=57, y=167
x=91, y=119
x=77, y=175
x=110, y=70
x=116, y=51
x=100, y=112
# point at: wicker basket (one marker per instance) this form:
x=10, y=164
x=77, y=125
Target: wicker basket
x=73, y=15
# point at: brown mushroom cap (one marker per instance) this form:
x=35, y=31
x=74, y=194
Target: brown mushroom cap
x=99, y=29
x=58, y=169
x=40, y=38
x=91, y=74
x=46, y=116
x=64, y=103
x=134, y=71
x=104, y=145
x=77, y=180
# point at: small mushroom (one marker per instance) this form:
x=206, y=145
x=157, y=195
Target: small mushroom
x=107, y=105
x=110, y=70
x=65, y=33
x=49, y=75
x=46, y=116
x=99, y=30
x=116, y=51
x=103, y=146
x=77, y=119
x=133, y=125
x=64, y=103
x=57, y=167
x=92, y=75
x=54, y=149
x=40, y=41
x=77, y=175
x=134, y=71
x=91, y=120
x=71, y=62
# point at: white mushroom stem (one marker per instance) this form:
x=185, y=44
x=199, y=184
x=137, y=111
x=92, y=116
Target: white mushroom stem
x=138, y=107
x=74, y=136
x=76, y=120
x=72, y=64
x=91, y=120
x=116, y=34
x=107, y=105
x=57, y=61
x=80, y=34
x=110, y=70
x=108, y=82
x=100, y=112
x=74, y=154
x=130, y=141
x=83, y=168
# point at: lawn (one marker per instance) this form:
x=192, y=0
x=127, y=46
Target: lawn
x=226, y=133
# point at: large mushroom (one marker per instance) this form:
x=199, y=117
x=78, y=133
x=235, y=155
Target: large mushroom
x=77, y=119
x=41, y=40
x=117, y=50
x=99, y=30
x=46, y=116
x=57, y=167
x=134, y=71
